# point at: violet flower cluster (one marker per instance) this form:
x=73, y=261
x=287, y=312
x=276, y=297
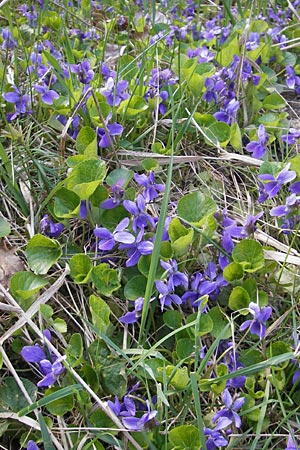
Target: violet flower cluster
x=132, y=417
x=48, y=364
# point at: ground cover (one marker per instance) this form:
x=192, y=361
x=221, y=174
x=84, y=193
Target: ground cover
x=150, y=194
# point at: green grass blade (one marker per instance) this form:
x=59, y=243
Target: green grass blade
x=45, y=434
x=64, y=392
x=196, y=395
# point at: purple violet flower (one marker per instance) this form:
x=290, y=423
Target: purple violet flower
x=133, y=316
x=274, y=184
x=114, y=92
x=291, y=202
x=114, y=129
x=20, y=100
x=31, y=445
x=152, y=189
x=49, y=228
x=292, y=136
x=83, y=70
x=47, y=95
x=50, y=369
x=230, y=408
x=137, y=248
x=258, y=148
x=108, y=239
x=136, y=423
x=117, y=192
x=175, y=278
x=127, y=412
x=9, y=43
x=215, y=438
x=258, y=324
x=193, y=295
x=292, y=443
x=166, y=295
x=252, y=41
x=292, y=80
x=212, y=283
x=137, y=209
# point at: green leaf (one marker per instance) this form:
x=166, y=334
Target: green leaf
x=105, y=279
x=218, y=134
x=133, y=107
x=5, y=227
x=144, y=267
x=219, y=322
x=119, y=174
x=278, y=348
x=195, y=207
x=185, y=437
x=205, y=324
x=228, y=51
x=236, y=137
x=46, y=311
x=86, y=177
x=113, y=378
x=274, y=101
x=60, y=406
x=24, y=285
x=60, y=325
x=74, y=350
x=42, y=252
x=184, y=348
x=44, y=401
x=173, y=319
x=85, y=137
x=80, y=268
x=234, y=271
x=66, y=203
x=249, y=253
x=181, y=245
x=135, y=287
x=100, y=313
x=178, y=378
x=239, y=299
x=11, y=397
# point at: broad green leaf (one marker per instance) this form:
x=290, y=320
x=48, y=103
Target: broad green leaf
x=185, y=437
x=85, y=137
x=117, y=175
x=42, y=252
x=60, y=406
x=144, y=266
x=178, y=378
x=234, y=271
x=219, y=322
x=12, y=398
x=86, y=177
x=205, y=324
x=100, y=313
x=239, y=299
x=195, y=207
x=249, y=253
x=24, y=285
x=60, y=325
x=80, y=268
x=173, y=319
x=74, y=350
x=133, y=107
x=113, y=378
x=274, y=101
x=185, y=347
x=105, y=279
x=228, y=51
x=66, y=203
x=218, y=133
x=236, y=137
x=182, y=244
x=135, y=287
x=176, y=229
x=278, y=348
x=4, y=227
